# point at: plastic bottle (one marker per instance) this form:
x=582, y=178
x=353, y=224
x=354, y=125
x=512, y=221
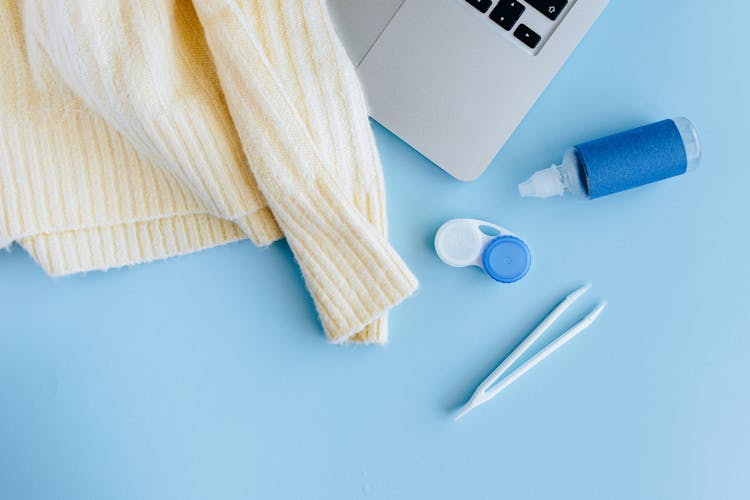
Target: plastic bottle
x=619, y=162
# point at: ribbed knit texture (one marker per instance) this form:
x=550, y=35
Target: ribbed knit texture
x=120, y=143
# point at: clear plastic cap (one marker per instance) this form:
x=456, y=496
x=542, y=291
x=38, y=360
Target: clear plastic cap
x=690, y=139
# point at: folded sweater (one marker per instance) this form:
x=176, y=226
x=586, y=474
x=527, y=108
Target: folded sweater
x=137, y=130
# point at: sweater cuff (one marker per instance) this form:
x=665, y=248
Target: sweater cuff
x=117, y=245
x=353, y=273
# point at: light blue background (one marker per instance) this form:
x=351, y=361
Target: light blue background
x=207, y=376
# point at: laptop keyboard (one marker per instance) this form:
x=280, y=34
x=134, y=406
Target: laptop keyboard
x=507, y=14
x=528, y=21
x=550, y=8
x=527, y=36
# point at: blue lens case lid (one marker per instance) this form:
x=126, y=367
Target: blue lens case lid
x=506, y=259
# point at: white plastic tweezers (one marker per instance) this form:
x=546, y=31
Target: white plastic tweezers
x=488, y=390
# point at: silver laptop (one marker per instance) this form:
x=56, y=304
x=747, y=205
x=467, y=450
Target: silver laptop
x=454, y=78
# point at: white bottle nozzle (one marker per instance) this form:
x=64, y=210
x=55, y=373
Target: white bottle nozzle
x=543, y=184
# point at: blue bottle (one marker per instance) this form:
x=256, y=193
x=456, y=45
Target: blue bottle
x=620, y=162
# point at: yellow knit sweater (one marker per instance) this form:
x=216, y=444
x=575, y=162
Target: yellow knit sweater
x=134, y=130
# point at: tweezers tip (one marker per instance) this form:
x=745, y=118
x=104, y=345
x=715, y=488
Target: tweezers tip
x=575, y=294
x=597, y=311
x=462, y=412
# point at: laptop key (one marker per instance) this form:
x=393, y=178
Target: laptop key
x=482, y=5
x=527, y=36
x=550, y=8
x=507, y=13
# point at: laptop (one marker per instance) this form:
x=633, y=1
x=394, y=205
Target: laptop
x=454, y=78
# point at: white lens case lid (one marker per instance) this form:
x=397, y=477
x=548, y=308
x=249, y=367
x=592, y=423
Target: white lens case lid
x=461, y=242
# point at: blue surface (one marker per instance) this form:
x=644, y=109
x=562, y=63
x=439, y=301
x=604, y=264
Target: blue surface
x=633, y=158
x=207, y=376
x=507, y=259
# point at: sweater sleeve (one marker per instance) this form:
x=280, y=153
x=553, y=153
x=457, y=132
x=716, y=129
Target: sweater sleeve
x=351, y=270
x=317, y=76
